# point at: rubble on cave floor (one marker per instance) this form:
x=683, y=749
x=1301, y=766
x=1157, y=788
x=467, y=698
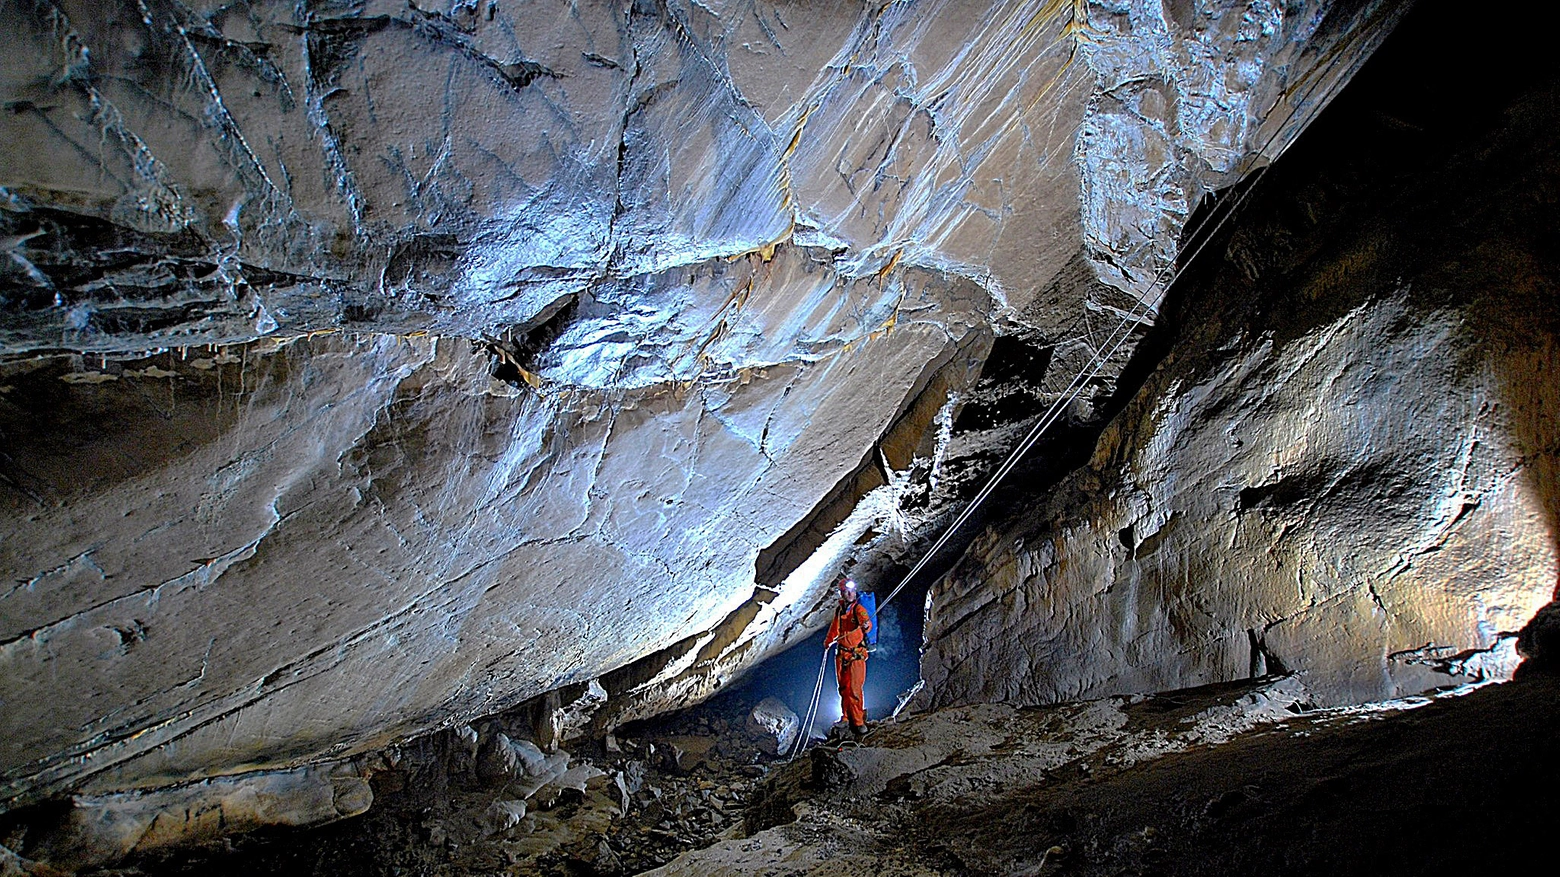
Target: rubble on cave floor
x=487, y=800
x=1237, y=778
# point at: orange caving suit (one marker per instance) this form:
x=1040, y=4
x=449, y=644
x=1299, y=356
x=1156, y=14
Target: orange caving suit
x=849, y=629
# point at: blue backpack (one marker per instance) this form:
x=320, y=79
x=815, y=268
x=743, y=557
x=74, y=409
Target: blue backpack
x=868, y=602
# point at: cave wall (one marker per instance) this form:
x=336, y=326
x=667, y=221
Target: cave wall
x=336, y=542
x=1344, y=463
x=374, y=366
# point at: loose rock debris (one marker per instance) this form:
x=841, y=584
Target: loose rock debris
x=1215, y=780
x=488, y=800
x=1237, y=778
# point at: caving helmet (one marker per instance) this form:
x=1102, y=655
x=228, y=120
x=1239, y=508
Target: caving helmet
x=848, y=589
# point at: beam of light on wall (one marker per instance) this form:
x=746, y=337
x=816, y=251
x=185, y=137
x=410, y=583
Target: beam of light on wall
x=895, y=665
x=893, y=668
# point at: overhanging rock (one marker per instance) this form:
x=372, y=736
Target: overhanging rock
x=263, y=502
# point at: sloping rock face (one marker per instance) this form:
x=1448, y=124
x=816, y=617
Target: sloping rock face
x=376, y=366
x=112, y=826
x=202, y=173
x=1345, y=466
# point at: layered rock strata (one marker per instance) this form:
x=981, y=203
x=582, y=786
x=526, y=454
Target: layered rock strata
x=1345, y=465
x=383, y=366
x=190, y=174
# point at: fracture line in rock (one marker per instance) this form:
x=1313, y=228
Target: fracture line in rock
x=1118, y=336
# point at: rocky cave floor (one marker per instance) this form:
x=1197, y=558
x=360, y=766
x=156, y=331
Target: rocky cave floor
x=622, y=804
x=1236, y=778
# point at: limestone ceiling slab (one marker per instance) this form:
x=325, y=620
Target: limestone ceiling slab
x=264, y=502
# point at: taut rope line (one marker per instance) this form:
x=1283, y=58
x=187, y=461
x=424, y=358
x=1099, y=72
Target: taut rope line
x=1118, y=336
x=1169, y=274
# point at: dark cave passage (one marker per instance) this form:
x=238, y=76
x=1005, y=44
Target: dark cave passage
x=893, y=669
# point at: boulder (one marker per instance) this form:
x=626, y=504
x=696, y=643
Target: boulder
x=498, y=760
x=551, y=767
x=682, y=754
x=568, y=786
x=504, y=759
x=97, y=830
x=1539, y=642
x=634, y=774
x=620, y=793
x=502, y=816
x=774, y=725
x=604, y=860
x=532, y=759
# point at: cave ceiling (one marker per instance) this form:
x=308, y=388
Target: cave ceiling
x=371, y=366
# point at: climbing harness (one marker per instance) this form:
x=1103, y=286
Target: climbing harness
x=847, y=655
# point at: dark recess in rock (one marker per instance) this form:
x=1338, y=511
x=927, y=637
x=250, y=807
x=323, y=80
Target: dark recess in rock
x=1539, y=643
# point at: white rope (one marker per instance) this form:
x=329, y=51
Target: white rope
x=1127, y=322
x=1118, y=336
x=1052, y=414
x=805, y=732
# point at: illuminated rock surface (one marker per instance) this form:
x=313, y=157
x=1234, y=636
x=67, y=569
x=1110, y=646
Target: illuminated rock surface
x=375, y=368
x=1345, y=464
x=205, y=173
x=735, y=265
x=106, y=828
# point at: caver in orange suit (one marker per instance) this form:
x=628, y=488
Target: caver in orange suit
x=849, y=631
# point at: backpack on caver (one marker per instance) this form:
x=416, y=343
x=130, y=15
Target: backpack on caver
x=868, y=601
